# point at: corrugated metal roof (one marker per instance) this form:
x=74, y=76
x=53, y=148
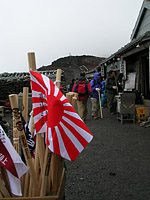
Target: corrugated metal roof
x=128, y=46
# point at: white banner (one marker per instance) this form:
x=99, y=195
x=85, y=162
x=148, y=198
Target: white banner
x=14, y=165
x=123, y=68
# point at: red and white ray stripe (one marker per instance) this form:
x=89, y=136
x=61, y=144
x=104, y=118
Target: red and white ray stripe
x=67, y=135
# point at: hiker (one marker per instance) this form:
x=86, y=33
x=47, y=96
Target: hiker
x=103, y=92
x=103, y=82
x=72, y=84
x=120, y=83
x=96, y=87
x=111, y=89
x=83, y=88
x=68, y=87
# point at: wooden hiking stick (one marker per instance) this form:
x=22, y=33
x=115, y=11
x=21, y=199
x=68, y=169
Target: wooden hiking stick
x=4, y=183
x=31, y=61
x=5, y=179
x=32, y=124
x=100, y=104
x=3, y=189
x=39, y=138
x=14, y=105
x=26, y=183
x=25, y=177
x=56, y=161
x=53, y=163
x=40, y=155
x=25, y=104
x=15, y=136
x=45, y=173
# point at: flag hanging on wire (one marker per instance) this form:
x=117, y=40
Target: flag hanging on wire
x=66, y=133
x=12, y=162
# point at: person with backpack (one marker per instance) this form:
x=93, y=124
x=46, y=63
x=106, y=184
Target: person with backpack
x=96, y=88
x=83, y=88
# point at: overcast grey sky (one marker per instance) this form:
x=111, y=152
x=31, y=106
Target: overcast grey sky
x=56, y=28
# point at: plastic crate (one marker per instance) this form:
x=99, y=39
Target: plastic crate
x=140, y=114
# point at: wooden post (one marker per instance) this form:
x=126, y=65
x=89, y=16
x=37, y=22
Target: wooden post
x=69, y=97
x=14, y=105
x=74, y=101
x=75, y=94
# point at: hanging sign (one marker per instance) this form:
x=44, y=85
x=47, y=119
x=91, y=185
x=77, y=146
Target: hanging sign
x=102, y=71
x=123, y=68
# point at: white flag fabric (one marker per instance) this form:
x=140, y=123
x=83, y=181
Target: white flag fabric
x=12, y=162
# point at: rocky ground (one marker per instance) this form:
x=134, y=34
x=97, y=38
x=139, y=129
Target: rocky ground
x=114, y=166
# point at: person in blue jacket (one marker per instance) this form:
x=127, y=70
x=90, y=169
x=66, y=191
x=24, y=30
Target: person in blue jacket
x=96, y=88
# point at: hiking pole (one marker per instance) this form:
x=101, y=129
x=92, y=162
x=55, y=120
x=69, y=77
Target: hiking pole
x=100, y=103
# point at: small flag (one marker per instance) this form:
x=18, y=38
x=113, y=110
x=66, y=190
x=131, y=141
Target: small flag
x=30, y=139
x=12, y=162
x=66, y=133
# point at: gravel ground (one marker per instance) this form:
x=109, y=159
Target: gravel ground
x=114, y=166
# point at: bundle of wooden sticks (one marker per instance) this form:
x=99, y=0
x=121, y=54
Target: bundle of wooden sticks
x=46, y=176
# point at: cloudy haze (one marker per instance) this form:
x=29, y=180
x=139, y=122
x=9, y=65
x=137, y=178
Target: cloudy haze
x=56, y=28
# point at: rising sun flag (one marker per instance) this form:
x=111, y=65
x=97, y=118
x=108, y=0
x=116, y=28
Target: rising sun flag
x=66, y=133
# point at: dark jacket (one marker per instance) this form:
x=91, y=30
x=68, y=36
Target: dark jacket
x=110, y=82
x=120, y=85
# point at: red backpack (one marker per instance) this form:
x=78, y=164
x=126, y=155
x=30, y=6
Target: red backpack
x=82, y=88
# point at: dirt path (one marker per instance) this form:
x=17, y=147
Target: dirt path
x=114, y=166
